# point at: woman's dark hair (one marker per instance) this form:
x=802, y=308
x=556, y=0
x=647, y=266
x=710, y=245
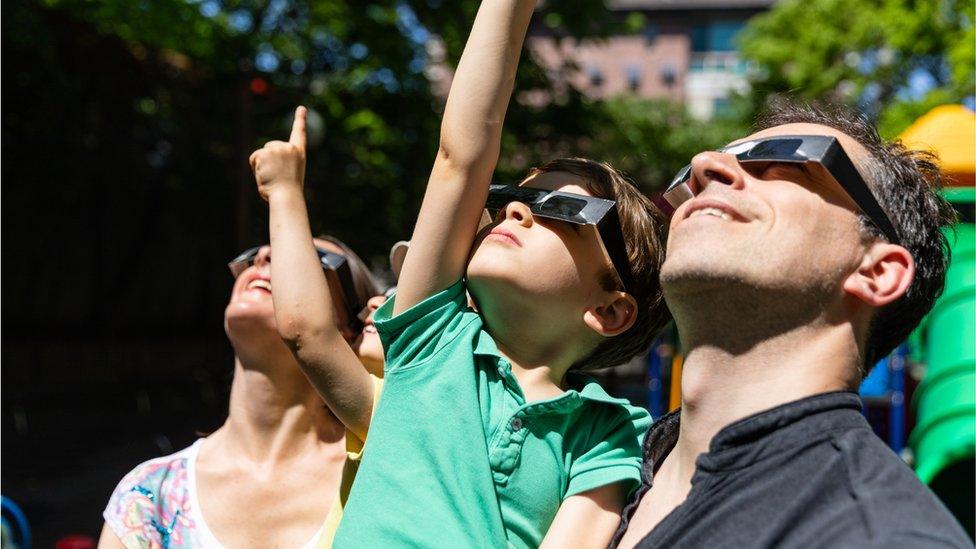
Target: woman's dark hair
x=362, y=279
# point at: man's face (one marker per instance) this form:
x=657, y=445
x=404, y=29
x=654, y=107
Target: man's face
x=765, y=225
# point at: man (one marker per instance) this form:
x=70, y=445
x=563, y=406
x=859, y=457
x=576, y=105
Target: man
x=792, y=265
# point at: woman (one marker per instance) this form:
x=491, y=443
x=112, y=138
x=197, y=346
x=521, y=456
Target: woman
x=277, y=468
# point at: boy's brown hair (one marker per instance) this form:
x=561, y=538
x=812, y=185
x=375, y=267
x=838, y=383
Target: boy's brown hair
x=644, y=228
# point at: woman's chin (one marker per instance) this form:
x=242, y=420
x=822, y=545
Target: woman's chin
x=248, y=319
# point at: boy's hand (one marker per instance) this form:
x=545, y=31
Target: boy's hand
x=470, y=141
x=280, y=165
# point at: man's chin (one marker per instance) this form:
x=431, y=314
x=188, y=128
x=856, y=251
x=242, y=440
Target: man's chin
x=700, y=276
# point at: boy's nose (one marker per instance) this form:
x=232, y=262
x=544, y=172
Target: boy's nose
x=520, y=212
x=375, y=302
x=714, y=167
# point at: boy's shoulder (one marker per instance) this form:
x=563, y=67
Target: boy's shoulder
x=605, y=438
x=434, y=327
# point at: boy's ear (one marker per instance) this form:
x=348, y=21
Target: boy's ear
x=883, y=276
x=613, y=316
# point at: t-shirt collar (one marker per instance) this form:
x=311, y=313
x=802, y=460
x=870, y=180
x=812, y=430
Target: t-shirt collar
x=757, y=426
x=728, y=443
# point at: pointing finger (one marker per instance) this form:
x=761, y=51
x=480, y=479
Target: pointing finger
x=298, y=128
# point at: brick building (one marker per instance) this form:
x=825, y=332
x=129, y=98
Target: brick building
x=685, y=52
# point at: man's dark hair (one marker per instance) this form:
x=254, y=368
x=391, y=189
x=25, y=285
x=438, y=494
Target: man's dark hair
x=906, y=184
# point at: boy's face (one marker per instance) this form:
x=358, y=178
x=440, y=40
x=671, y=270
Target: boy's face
x=368, y=345
x=547, y=263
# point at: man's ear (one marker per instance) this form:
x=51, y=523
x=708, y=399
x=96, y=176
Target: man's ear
x=614, y=316
x=884, y=275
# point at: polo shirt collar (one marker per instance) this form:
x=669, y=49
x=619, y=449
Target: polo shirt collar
x=485, y=345
x=581, y=386
x=590, y=389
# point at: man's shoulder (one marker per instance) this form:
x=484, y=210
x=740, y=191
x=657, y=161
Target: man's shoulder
x=893, y=501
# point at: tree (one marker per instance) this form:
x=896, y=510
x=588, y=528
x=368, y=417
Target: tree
x=895, y=59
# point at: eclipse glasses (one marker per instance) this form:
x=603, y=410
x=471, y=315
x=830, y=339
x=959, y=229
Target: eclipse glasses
x=586, y=211
x=820, y=152
x=337, y=273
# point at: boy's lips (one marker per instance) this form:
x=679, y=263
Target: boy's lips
x=505, y=236
x=368, y=326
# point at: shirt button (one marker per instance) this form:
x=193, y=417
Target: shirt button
x=516, y=424
x=501, y=371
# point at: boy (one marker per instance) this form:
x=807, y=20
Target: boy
x=486, y=433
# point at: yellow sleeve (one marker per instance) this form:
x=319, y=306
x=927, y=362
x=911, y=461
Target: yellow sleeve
x=354, y=452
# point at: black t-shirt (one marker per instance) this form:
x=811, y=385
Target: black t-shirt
x=810, y=473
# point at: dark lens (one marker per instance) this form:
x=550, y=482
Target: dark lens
x=775, y=148
x=496, y=201
x=499, y=196
x=562, y=206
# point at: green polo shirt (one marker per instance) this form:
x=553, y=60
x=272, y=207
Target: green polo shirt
x=456, y=457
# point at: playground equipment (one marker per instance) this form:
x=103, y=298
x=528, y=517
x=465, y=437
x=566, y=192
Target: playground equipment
x=946, y=399
x=14, y=528
x=944, y=438
x=949, y=131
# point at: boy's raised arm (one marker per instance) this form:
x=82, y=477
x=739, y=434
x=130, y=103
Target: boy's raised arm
x=303, y=305
x=469, y=145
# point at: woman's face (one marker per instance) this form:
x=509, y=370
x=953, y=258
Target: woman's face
x=251, y=307
x=251, y=302
x=368, y=345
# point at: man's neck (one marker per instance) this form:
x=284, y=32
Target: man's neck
x=275, y=414
x=725, y=381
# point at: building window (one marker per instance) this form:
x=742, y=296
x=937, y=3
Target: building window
x=668, y=75
x=721, y=107
x=651, y=31
x=596, y=77
x=715, y=36
x=633, y=77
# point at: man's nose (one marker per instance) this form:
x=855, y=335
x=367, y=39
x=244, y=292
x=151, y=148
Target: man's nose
x=520, y=212
x=715, y=167
x=264, y=256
